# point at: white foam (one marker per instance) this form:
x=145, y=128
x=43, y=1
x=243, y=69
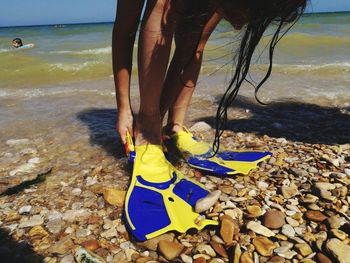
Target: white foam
x=74, y=66
x=3, y=50
x=93, y=51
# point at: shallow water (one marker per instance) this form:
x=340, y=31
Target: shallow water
x=62, y=90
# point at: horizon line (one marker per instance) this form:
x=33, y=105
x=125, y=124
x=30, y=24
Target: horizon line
x=109, y=22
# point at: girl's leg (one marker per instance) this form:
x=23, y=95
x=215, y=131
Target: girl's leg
x=123, y=38
x=153, y=57
x=184, y=70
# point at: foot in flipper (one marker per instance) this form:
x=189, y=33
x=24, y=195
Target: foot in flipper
x=160, y=198
x=198, y=154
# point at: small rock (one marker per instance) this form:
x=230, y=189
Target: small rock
x=260, y=229
x=339, y=250
x=62, y=247
x=254, y=211
x=91, y=244
x=321, y=258
x=219, y=249
x=264, y=246
x=310, y=199
x=289, y=191
x=25, y=209
x=316, y=216
x=347, y=171
x=327, y=195
x=35, y=220
x=205, y=249
x=291, y=221
x=37, y=232
x=200, y=126
x=288, y=230
x=274, y=219
x=334, y=222
x=324, y=186
x=15, y=142
x=237, y=253
x=207, y=202
x=303, y=249
x=186, y=259
x=288, y=254
x=114, y=196
x=169, y=249
x=339, y=234
x=152, y=243
x=298, y=172
x=229, y=229
x=246, y=258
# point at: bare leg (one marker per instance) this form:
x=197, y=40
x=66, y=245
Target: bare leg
x=153, y=57
x=123, y=38
x=183, y=72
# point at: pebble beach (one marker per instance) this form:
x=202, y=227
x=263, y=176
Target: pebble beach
x=59, y=200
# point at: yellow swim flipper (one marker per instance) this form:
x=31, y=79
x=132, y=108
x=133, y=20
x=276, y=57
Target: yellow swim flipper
x=199, y=155
x=160, y=198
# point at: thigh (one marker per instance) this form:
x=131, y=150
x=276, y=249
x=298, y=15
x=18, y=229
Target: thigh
x=128, y=15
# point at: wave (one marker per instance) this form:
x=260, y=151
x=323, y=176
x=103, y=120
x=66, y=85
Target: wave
x=330, y=68
x=94, y=51
x=73, y=66
x=3, y=50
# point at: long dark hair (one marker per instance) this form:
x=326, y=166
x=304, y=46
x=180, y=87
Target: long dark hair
x=278, y=12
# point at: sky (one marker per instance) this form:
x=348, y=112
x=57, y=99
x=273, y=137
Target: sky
x=43, y=12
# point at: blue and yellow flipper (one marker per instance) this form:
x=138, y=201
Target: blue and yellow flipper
x=199, y=155
x=160, y=198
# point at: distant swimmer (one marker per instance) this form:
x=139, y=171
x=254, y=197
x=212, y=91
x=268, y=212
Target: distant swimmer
x=17, y=43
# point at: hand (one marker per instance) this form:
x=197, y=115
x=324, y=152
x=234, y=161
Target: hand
x=124, y=124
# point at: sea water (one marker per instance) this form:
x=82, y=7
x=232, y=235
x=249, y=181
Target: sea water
x=46, y=90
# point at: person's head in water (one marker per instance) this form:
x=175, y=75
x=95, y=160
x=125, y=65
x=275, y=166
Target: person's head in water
x=17, y=42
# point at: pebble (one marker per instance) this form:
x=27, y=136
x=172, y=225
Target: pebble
x=205, y=249
x=170, y=250
x=207, y=202
x=289, y=191
x=32, y=221
x=303, y=249
x=15, y=142
x=339, y=234
x=114, y=196
x=264, y=246
x=260, y=229
x=219, y=249
x=310, y=199
x=315, y=216
x=291, y=221
x=322, y=258
x=288, y=254
x=334, y=222
x=25, y=209
x=254, y=211
x=288, y=230
x=273, y=219
x=229, y=229
x=186, y=259
x=200, y=126
x=339, y=250
x=62, y=246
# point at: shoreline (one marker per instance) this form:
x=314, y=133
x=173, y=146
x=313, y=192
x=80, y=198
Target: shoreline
x=310, y=144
